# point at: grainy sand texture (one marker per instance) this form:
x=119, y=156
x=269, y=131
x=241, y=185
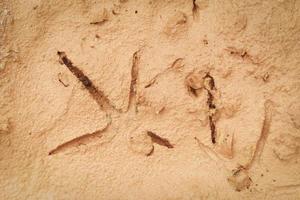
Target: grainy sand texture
x=149, y=99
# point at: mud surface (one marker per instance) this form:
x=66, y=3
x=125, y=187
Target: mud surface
x=150, y=99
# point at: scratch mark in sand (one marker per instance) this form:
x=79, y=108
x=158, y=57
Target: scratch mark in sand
x=134, y=79
x=159, y=140
x=260, y=144
x=97, y=95
x=81, y=140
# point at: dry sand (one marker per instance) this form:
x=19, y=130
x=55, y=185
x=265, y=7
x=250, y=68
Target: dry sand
x=150, y=99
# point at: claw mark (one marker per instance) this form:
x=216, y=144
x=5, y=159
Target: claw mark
x=260, y=144
x=242, y=53
x=176, y=64
x=212, y=129
x=61, y=80
x=65, y=85
x=99, y=22
x=150, y=83
x=114, y=12
x=81, y=140
x=151, y=152
x=209, y=85
x=192, y=91
x=134, y=78
x=195, y=9
x=97, y=95
x=159, y=140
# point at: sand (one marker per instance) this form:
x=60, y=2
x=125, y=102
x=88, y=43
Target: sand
x=150, y=99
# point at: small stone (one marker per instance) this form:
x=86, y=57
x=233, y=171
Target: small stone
x=240, y=179
x=176, y=24
x=141, y=143
x=4, y=126
x=195, y=80
x=230, y=110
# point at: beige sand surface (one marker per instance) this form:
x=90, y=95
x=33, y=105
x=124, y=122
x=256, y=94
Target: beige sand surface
x=152, y=99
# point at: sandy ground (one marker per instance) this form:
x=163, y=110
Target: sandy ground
x=150, y=99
